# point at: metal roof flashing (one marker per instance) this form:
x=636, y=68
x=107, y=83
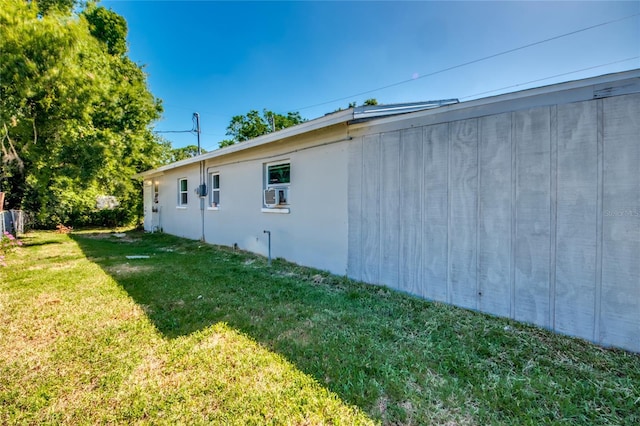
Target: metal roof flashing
x=369, y=112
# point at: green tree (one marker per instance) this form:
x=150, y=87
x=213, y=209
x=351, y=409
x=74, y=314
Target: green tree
x=48, y=6
x=277, y=122
x=245, y=127
x=75, y=113
x=249, y=126
x=367, y=102
x=177, y=154
x=108, y=27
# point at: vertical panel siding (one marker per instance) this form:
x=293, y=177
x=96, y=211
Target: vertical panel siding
x=620, y=309
x=577, y=172
x=463, y=187
x=410, y=210
x=435, y=215
x=354, y=210
x=391, y=183
x=495, y=215
x=532, y=141
x=533, y=215
x=370, y=233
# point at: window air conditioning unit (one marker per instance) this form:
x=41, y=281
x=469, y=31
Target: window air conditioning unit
x=274, y=197
x=270, y=197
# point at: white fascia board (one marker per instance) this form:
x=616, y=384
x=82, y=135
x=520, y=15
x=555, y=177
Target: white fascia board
x=148, y=174
x=306, y=127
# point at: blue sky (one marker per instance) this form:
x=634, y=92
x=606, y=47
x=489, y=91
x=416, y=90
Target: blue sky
x=225, y=58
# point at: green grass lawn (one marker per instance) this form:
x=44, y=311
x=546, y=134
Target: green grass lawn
x=197, y=334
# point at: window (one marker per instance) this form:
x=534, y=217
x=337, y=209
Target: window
x=214, y=194
x=182, y=192
x=278, y=174
x=156, y=192
x=277, y=181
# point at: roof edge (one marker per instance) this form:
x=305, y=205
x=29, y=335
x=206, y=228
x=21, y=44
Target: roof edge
x=596, y=87
x=374, y=111
x=364, y=113
x=307, y=126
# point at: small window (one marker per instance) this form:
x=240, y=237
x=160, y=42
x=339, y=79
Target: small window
x=214, y=196
x=156, y=192
x=279, y=174
x=277, y=181
x=182, y=192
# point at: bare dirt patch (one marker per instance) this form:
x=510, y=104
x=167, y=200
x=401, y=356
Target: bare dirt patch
x=117, y=236
x=127, y=269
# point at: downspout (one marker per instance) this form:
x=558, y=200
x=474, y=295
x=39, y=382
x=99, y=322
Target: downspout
x=202, y=188
x=203, y=194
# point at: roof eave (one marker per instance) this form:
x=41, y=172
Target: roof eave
x=370, y=112
x=306, y=127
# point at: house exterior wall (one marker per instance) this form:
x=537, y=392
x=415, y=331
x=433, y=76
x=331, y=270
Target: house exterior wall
x=312, y=233
x=531, y=214
x=183, y=221
x=524, y=206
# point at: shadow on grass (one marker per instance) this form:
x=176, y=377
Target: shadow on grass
x=401, y=359
x=30, y=241
x=356, y=340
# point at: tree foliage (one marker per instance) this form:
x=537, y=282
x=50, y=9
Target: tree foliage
x=253, y=124
x=367, y=102
x=177, y=154
x=49, y=6
x=108, y=27
x=75, y=113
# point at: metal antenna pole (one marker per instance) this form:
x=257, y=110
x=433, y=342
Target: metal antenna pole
x=197, y=117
